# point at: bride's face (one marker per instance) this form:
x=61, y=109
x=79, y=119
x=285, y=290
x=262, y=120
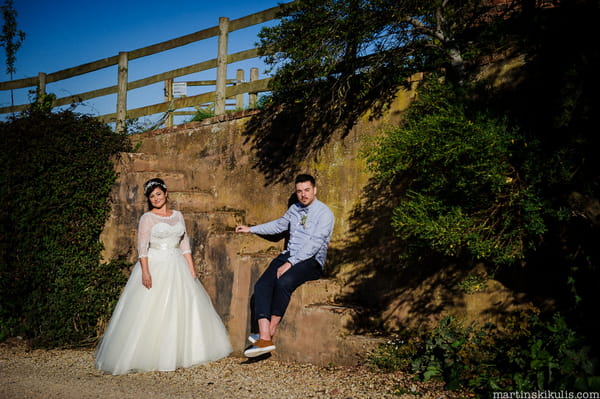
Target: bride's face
x=158, y=198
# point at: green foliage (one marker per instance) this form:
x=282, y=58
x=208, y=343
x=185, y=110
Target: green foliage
x=56, y=179
x=529, y=355
x=337, y=59
x=396, y=354
x=462, y=187
x=137, y=126
x=202, y=113
x=43, y=104
x=12, y=37
x=264, y=101
x=205, y=113
x=473, y=283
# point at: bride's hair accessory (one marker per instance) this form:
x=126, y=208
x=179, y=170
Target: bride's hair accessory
x=152, y=183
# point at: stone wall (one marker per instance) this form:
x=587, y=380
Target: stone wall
x=210, y=170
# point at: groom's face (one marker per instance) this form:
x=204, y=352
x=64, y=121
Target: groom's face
x=306, y=193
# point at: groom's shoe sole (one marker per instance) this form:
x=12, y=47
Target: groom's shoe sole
x=255, y=351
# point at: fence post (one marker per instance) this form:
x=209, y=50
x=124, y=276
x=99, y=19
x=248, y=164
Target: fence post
x=221, y=85
x=169, y=98
x=239, y=98
x=122, y=92
x=41, y=91
x=253, y=97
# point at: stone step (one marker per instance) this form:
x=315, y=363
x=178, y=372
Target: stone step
x=179, y=174
x=245, y=246
x=215, y=221
x=317, y=330
x=175, y=181
x=322, y=291
x=192, y=201
x=216, y=246
x=140, y=161
x=129, y=187
x=232, y=263
x=321, y=335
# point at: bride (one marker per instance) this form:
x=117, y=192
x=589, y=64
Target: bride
x=164, y=318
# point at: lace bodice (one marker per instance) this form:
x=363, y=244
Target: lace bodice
x=168, y=231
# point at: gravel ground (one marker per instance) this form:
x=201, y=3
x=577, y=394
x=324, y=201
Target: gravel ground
x=70, y=374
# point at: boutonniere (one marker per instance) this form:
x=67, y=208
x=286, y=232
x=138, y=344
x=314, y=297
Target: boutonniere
x=303, y=220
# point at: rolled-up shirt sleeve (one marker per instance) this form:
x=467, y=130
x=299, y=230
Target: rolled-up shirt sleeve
x=273, y=227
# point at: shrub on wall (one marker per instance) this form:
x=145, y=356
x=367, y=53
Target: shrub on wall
x=463, y=187
x=56, y=180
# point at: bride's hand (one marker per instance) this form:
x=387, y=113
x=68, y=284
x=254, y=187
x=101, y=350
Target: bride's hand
x=147, y=280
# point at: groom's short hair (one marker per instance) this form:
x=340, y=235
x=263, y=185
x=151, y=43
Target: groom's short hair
x=304, y=178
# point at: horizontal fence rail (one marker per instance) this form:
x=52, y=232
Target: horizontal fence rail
x=218, y=97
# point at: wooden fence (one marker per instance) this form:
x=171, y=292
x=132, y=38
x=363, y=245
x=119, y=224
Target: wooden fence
x=222, y=91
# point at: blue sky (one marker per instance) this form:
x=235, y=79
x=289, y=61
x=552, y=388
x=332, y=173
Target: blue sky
x=64, y=33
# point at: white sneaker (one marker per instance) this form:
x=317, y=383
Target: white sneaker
x=260, y=347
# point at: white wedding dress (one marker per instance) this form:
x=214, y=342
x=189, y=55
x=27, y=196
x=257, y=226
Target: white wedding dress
x=171, y=325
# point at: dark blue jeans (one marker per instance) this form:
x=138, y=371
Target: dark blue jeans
x=272, y=295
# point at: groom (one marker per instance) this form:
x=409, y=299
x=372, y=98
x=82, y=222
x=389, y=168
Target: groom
x=310, y=224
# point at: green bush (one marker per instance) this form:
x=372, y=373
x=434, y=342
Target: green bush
x=56, y=179
x=529, y=354
x=462, y=188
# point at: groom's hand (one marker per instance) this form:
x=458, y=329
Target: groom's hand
x=242, y=229
x=283, y=268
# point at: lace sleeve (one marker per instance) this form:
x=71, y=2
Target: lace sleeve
x=184, y=244
x=144, y=229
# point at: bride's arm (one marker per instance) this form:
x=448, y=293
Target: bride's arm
x=190, y=262
x=184, y=244
x=146, y=276
x=185, y=247
x=144, y=229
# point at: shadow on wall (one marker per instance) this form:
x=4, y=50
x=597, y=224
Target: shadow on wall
x=284, y=136
x=387, y=291
x=392, y=293
x=370, y=264
x=281, y=142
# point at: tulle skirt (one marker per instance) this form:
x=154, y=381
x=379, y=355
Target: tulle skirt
x=171, y=325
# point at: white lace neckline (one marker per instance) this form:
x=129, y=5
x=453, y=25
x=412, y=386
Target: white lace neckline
x=164, y=217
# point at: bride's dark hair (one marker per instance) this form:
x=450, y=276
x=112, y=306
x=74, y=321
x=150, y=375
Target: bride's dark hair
x=150, y=185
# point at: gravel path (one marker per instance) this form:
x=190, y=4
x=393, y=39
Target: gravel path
x=70, y=374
